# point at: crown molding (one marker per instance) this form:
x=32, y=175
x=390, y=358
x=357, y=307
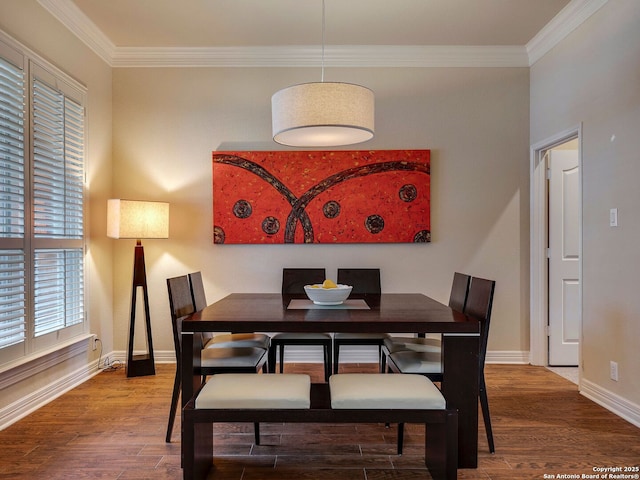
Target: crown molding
x=82, y=27
x=566, y=21
x=574, y=14
x=335, y=56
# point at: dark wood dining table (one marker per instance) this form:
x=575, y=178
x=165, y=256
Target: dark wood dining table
x=388, y=312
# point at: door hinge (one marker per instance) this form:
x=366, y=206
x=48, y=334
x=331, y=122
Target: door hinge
x=548, y=174
x=548, y=253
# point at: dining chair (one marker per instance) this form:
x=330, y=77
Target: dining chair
x=223, y=340
x=293, y=282
x=213, y=360
x=364, y=281
x=457, y=301
x=479, y=304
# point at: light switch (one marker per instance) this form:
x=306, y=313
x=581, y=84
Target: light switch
x=613, y=217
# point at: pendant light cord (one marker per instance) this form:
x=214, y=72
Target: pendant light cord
x=322, y=77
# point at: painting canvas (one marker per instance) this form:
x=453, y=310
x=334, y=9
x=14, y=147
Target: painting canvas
x=364, y=196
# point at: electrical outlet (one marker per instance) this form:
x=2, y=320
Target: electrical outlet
x=94, y=343
x=613, y=370
x=613, y=217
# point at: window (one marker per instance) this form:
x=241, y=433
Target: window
x=42, y=145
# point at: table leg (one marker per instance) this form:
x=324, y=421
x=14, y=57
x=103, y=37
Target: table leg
x=460, y=388
x=191, y=378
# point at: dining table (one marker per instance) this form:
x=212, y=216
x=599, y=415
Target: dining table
x=413, y=313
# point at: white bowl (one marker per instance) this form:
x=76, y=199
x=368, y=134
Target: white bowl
x=327, y=296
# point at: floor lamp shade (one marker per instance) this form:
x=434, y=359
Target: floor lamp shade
x=138, y=219
x=322, y=114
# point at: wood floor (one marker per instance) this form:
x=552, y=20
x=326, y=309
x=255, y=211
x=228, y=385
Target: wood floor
x=112, y=427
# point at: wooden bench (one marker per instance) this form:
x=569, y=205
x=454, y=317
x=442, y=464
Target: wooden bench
x=347, y=398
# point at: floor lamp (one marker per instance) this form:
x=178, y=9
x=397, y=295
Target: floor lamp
x=138, y=219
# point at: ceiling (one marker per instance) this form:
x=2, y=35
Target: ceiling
x=211, y=23
x=289, y=32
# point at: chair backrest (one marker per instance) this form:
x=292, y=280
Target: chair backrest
x=363, y=280
x=199, y=298
x=197, y=291
x=479, y=305
x=459, y=291
x=181, y=305
x=294, y=279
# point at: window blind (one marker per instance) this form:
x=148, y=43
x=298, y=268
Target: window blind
x=58, y=136
x=12, y=261
x=11, y=150
x=58, y=281
x=58, y=172
x=42, y=151
x=12, y=298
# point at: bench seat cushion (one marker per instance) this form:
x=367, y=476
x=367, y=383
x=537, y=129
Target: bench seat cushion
x=249, y=390
x=398, y=344
x=409, y=361
x=235, y=340
x=384, y=391
x=237, y=357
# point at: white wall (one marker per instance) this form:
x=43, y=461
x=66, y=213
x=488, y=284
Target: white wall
x=476, y=122
x=593, y=78
x=29, y=24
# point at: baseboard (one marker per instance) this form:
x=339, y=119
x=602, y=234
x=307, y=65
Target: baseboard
x=366, y=354
x=38, y=398
x=369, y=354
x=612, y=402
x=159, y=356
x=351, y=354
x=510, y=357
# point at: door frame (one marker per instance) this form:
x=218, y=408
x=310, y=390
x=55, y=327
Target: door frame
x=539, y=235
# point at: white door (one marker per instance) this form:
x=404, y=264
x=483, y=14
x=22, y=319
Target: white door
x=564, y=257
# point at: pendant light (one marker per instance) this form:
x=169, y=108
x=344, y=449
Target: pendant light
x=322, y=114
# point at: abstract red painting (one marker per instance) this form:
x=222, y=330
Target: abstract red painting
x=364, y=196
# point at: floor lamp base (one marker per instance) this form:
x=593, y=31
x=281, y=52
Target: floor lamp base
x=140, y=365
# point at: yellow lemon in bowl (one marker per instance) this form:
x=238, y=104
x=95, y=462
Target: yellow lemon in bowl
x=329, y=284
